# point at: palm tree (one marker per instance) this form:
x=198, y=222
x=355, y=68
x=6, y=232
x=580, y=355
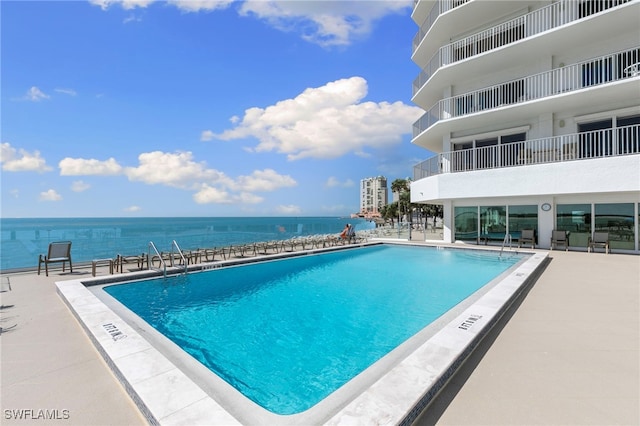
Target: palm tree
x=401, y=187
x=390, y=211
x=404, y=205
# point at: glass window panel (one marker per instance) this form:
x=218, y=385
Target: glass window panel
x=493, y=222
x=576, y=220
x=617, y=220
x=628, y=121
x=522, y=217
x=466, y=223
x=486, y=142
x=516, y=137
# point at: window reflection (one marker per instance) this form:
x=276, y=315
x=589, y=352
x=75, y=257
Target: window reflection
x=576, y=220
x=466, y=223
x=493, y=222
x=617, y=220
x=522, y=217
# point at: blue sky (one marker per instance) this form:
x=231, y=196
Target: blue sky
x=203, y=108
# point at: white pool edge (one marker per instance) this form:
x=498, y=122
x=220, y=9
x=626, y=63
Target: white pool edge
x=165, y=395
x=400, y=395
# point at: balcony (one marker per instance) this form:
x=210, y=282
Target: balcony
x=521, y=28
x=556, y=149
x=593, y=72
x=440, y=7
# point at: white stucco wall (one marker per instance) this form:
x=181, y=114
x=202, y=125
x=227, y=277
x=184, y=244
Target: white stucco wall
x=607, y=180
x=602, y=175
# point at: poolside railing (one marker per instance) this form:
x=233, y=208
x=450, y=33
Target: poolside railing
x=158, y=256
x=175, y=245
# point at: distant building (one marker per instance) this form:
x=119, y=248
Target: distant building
x=532, y=112
x=373, y=196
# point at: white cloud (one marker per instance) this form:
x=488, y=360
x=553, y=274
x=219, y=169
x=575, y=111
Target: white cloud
x=35, y=95
x=88, y=167
x=209, y=194
x=200, y=5
x=15, y=193
x=50, y=195
x=248, y=198
x=132, y=209
x=334, y=182
x=69, y=92
x=79, y=186
x=327, y=23
x=13, y=160
x=207, y=135
x=180, y=170
x=125, y=4
x=131, y=18
x=264, y=180
x=183, y=5
x=325, y=122
x=290, y=209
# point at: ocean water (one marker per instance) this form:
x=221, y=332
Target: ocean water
x=97, y=238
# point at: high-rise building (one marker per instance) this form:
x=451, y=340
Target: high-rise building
x=373, y=195
x=532, y=109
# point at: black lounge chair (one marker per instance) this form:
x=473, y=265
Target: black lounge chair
x=59, y=252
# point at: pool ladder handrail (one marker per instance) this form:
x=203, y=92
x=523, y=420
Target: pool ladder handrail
x=174, y=244
x=507, y=239
x=150, y=259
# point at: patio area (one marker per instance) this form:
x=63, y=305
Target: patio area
x=568, y=355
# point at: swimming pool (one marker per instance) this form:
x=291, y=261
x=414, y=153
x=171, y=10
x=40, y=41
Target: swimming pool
x=432, y=346
x=288, y=333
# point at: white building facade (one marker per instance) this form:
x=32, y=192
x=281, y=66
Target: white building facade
x=373, y=195
x=532, y=112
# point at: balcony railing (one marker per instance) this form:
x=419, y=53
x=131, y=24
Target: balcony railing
x=536, y=22
x=578, y=146
x=593, y=72
x=440, y=7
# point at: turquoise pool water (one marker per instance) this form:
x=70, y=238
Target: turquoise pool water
x=288, y=333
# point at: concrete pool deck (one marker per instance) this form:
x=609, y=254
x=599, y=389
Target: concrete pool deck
x=568, y=355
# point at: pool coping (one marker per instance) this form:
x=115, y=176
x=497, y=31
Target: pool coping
x=166, y=395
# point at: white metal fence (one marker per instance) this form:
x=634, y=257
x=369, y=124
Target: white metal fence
x=592, y=72
x=536, y=22
x=576, y=146
x=437, y=9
